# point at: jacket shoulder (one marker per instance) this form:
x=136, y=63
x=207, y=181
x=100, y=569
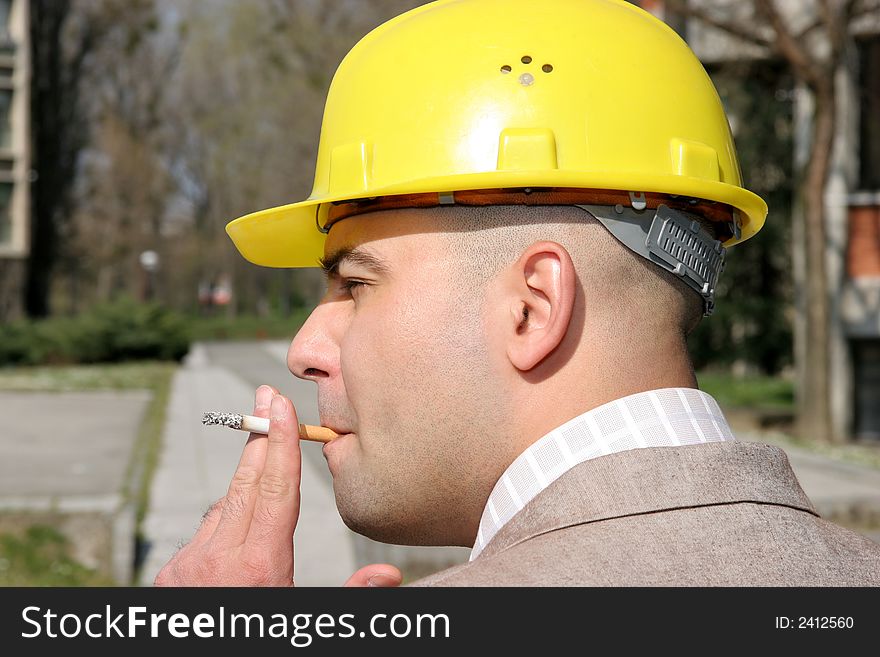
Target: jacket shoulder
x=737, y=545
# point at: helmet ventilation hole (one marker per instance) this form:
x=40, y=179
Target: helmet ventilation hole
x=506, y=69
x=526, y=60
x=547, y=68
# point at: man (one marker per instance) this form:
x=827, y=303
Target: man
x=520, y=208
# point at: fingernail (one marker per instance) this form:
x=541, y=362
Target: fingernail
x=278, y=408
x=383, y=580
x=263, y=397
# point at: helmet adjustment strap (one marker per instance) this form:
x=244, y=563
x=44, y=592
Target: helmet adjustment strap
x=673, y=240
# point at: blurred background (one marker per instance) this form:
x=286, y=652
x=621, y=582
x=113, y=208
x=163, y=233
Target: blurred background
x=132, y=131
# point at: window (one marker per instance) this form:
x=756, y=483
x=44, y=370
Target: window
x=4, y=15
x=5, y=212
x=7, y=46
x=866, y=358
x=5, y=119
x=869, y=109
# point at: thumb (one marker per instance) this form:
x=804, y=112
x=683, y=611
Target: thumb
x=377, y=574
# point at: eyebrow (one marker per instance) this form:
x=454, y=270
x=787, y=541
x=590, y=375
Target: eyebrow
x=331, y=263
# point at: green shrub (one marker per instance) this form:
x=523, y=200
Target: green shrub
x=249, y=327
x=118, y=331
x=126, y=330
x=15, y=343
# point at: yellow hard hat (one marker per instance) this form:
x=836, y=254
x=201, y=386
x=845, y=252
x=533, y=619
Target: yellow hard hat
x=457, y=100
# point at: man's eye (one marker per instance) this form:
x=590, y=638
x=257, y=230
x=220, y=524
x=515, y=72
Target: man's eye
x=349, y=284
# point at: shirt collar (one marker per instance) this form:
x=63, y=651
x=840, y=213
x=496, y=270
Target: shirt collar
x=666, y=417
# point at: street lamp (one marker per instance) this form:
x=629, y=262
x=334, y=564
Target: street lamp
x=150, y=262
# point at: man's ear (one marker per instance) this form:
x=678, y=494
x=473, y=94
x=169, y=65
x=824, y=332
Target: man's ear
x=542, y=298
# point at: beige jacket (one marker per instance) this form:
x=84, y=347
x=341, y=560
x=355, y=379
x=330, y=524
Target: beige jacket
x=717, y=514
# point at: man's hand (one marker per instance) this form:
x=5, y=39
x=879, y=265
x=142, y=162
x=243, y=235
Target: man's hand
x=246, y=538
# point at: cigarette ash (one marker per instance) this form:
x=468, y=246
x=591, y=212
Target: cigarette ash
x=231, y=420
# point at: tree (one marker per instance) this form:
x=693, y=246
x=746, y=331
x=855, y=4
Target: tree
x=124, y=183
x=96, y=92
x=812, y=41
x=750, y=331
x=60, y=45
x=246, y=108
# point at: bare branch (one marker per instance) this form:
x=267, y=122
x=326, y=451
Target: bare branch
x=836, y=20
x=841, y=32
x=815, y=25
x=742, y=32
x=861, y=8
x=829, y=20
x=788, y=46
x=858, y=9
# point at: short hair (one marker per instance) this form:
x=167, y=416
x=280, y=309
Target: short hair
x=485, y=239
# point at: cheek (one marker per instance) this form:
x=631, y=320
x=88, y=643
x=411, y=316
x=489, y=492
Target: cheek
x=398, y=356
x=386, y=341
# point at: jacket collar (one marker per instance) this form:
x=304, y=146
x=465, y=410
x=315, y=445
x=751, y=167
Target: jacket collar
x=656, y=479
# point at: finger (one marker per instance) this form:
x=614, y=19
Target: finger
x=238, y=507
x=277, y=505
x=377, y=574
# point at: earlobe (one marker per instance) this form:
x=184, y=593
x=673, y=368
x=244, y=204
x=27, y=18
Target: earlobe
x=545, y=282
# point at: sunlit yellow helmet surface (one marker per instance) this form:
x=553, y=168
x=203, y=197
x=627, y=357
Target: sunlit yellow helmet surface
x=496, y=94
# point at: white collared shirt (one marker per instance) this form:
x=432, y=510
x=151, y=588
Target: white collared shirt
x=657, y=418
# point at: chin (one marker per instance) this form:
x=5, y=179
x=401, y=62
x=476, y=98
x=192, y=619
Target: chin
x=385, y=528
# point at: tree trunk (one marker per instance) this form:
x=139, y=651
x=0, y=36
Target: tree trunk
x=815, y=411
x=11, y=274
x=48, y=190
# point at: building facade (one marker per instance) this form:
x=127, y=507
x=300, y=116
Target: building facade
x=858, y=203
x=15, y=163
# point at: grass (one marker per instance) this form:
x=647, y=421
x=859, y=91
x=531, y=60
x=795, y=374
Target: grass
x=146, y=375
x=149, y=375
x=760, y=398
x=145, y=455
x=758, y=392
x=40, y=556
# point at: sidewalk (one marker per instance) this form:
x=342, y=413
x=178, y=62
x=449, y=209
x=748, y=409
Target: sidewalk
x=65, y=457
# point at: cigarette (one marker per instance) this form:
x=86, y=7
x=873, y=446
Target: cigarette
x=261, y=425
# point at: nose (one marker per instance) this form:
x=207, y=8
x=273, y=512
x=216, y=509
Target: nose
x=314, y=352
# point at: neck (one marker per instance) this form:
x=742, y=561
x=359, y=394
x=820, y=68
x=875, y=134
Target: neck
x=563, y=387
x=600, y=377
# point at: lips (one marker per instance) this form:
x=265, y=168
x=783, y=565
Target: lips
x=334, y=445
x=335, y=428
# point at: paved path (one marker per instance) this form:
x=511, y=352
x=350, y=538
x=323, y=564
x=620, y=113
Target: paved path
x=68, y=454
